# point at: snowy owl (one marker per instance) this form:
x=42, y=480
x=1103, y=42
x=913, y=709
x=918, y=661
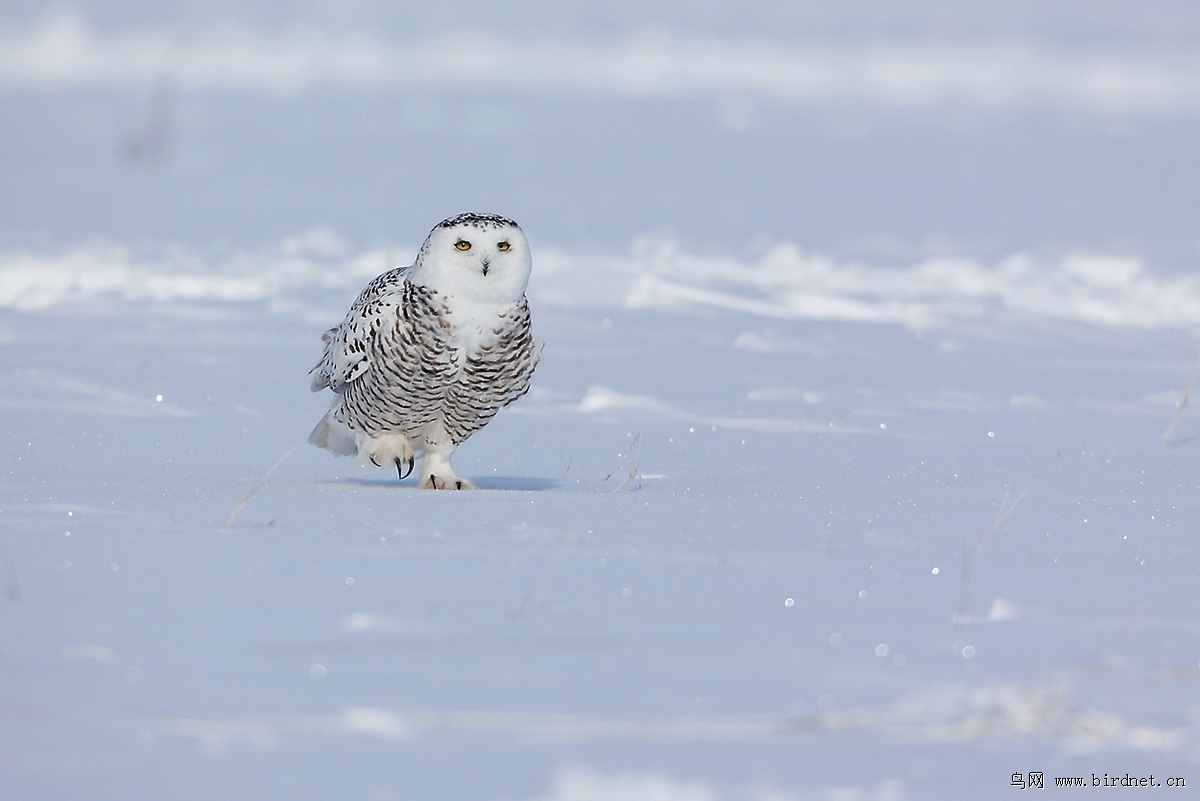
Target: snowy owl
x=430, y=352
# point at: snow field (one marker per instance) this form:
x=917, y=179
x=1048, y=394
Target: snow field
x=755, y=521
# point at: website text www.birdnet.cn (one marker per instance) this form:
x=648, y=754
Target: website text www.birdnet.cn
x=1037, y=780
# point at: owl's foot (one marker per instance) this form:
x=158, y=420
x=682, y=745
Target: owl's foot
x=436, y=472
x=390, y=449
x=449, y=481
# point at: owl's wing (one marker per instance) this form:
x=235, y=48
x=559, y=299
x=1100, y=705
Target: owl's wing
x=347, y=347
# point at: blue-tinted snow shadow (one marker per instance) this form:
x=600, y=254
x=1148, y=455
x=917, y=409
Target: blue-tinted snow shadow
x=515, y=483
x=508, y=483
x=1172, y=444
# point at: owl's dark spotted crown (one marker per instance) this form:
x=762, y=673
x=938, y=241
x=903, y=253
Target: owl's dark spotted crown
x=478, y=221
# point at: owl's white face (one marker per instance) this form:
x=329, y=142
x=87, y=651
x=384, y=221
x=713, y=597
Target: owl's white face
x=481, y=257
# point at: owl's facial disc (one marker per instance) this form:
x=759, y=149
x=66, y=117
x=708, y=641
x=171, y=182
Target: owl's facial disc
x=479, y=256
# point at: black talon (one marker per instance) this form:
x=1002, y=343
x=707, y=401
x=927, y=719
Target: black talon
x=432, y=481
x=458, y=484
x=372, y=458
x=401, y=464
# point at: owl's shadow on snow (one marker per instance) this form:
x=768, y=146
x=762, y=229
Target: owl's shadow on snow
x=507, y=483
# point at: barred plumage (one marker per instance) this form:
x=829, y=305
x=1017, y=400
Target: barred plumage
x=429, y=353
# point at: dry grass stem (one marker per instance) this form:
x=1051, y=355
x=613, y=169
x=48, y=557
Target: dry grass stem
x=1187, y=395
x=238, y=509
x=964, y=591
x=627, y=484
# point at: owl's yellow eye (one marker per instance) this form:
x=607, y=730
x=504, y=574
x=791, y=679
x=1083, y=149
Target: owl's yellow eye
x=462, y=244
x=503, y=246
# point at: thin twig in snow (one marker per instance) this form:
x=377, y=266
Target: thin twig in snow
x=633, y=465
x=964, y=591
x=238, y=509
x=108, y=380
x=1187, y=394
x=278, y=462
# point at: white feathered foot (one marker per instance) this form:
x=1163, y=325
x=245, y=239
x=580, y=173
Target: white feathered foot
x=387, y=450
x=436, y=472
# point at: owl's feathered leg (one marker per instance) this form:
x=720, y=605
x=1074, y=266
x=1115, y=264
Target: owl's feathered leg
x=436, y=472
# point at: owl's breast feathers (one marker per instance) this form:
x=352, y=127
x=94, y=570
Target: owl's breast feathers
x=403, y=359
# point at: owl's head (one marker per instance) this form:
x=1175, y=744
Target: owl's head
x=484, y=257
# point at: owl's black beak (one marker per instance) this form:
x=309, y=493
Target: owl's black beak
x=486, y=265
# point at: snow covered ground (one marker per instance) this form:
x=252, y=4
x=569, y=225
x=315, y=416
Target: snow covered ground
x=859, y=464
x=755, y=523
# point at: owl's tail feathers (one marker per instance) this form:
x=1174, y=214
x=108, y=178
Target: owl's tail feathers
x=333, y=436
